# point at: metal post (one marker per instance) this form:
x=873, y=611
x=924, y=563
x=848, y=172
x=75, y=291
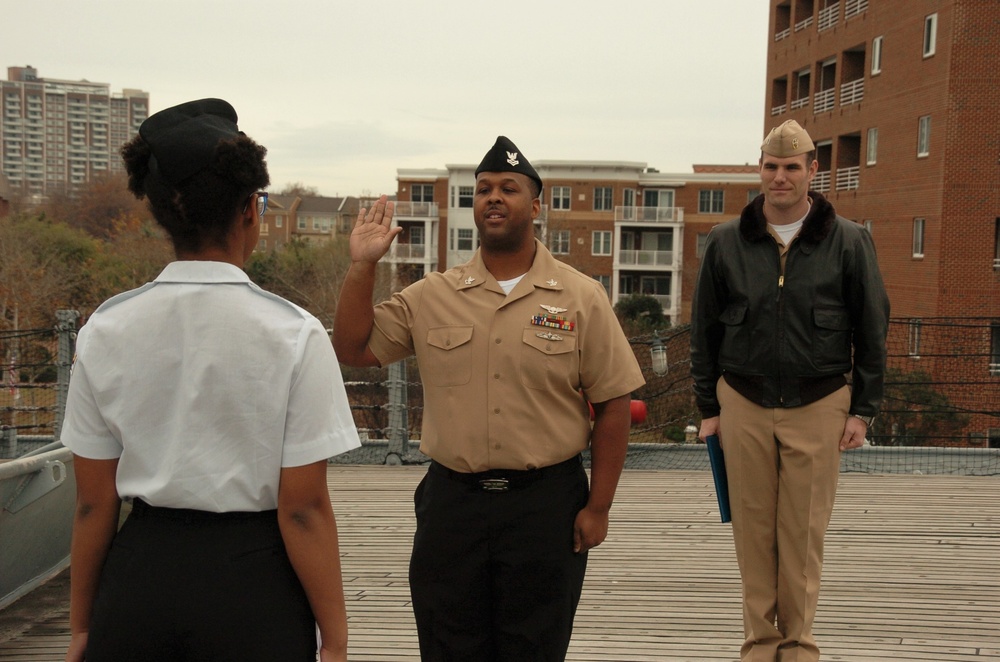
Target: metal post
x=66, y=329
x=398, y=432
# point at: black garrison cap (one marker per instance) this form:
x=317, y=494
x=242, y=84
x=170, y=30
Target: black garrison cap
x=505, y=157
x=183, y=138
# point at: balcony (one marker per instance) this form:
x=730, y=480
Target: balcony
x=821, y=182
x=649, y=214
x=854, y=7
x=852, y=92
x=417, y=209
x=645, y=258
x=800, y=103
x=825, y=101
x=779, y=110
x=782, y=34
x=828, y=17
x=847, y=178
x=803, y=24
x=409, y=251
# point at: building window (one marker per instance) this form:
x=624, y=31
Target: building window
x=464, y=239
x=560, y=242
x=995, y=348
x=913, y=343
x=602, y=198
x=877, y=55
x=710, y=201
x=702, y=241
x=918, y=237
x=628, y=197
x=560, y=197
x=422, y=193
x=996, y=245
x=601, y=243
x=278, y=220
x=930, y=35
x=872, y=146
x=302, y=222
x=924, y=136
x=752, y=195
x=465, y=195
x=605, y=282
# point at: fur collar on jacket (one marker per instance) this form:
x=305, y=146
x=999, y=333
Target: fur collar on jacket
x=753, y=225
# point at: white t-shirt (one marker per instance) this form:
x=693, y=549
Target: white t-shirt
x=205, y=386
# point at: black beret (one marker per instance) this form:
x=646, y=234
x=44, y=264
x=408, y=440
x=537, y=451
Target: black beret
x=183, y=138
x=505, y=157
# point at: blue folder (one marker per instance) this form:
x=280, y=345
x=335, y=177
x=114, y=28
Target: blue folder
x=718, y=462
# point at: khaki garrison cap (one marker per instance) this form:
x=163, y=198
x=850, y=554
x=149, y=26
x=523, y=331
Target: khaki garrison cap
x=787, y=139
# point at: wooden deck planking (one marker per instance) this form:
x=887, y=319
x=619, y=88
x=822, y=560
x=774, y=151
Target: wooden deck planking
x=912, y=572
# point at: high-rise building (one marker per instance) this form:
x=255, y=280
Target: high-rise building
x=901, y=98
x=58, y=134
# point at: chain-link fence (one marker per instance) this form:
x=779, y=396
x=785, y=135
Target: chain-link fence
x=941, y=412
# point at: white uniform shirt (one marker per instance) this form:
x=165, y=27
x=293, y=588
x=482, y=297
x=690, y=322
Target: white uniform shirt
x=205, y=386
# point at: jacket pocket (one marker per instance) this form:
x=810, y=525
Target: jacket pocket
x=736, y=339
x=449, y=356
x=831, y=347
x=548, y=358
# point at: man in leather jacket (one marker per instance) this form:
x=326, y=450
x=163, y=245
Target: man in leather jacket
x=789, y=302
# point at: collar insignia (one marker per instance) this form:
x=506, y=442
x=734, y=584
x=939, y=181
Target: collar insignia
x=555, y=310
x=551, y=282
x=512, y=158
x=470, y=280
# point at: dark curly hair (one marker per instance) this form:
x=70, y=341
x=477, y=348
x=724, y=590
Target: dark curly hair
x=200, y=210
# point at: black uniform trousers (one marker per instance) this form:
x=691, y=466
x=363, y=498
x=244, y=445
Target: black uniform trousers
x=493, y=575
x=188, y=585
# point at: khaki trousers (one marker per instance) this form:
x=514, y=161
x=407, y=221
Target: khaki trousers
x=783, y=466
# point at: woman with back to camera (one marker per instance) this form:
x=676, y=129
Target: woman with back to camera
x=213, y=405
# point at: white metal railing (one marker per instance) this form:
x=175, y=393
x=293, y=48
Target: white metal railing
x=847, y=178
x=778, y=110
x=410, y=251
x=852, y=92
x=417, y=209
x=824, y=101
x=828, y=17
x=996, y=263
x=782, y=34
x=821, y=182
x=854, y=7
x=800, y=103
x=803, y=24
x=649, y=214
x=646, y=258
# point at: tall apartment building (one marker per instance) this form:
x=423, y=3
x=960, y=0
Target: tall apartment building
x=620, y=222
x=901, y=98
x=58, y=134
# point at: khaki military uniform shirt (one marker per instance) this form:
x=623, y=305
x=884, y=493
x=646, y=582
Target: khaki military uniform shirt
x=503, y=374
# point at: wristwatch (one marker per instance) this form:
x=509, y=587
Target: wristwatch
x=867, y=419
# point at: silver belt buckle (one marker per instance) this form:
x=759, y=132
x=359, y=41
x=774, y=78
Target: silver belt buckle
x=494, y=484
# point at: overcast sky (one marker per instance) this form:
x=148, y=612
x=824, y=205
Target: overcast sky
x=342, y=93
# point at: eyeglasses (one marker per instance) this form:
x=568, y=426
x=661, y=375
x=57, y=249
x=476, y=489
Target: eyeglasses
x=261, y=202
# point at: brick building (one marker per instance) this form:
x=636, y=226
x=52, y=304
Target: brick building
x=621, y=222
x=902, y=98
x=58, y=134
x=310, y=218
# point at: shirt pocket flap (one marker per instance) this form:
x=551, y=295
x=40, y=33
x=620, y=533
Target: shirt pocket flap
x=449, y=337
x=734, y=313
x=549, y=342
x=835, y=319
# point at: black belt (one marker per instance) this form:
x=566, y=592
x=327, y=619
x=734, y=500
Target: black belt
x=503, y=480
x=143, y=509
